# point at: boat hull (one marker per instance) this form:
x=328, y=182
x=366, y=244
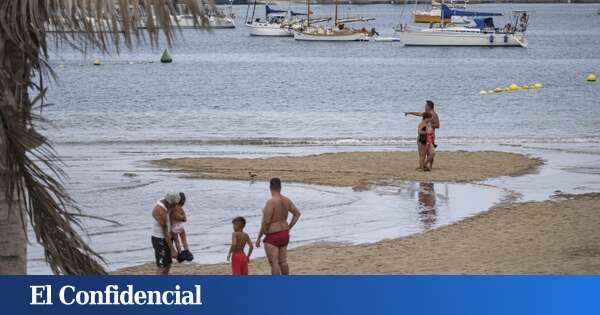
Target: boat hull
x=349, y=37
x=419, y=38
x=273, y=30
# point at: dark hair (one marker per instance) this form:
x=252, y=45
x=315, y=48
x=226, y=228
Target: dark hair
x=275, y=184
x=239, y=220
x=429, y=103
x=181, y=199
x=427, y=115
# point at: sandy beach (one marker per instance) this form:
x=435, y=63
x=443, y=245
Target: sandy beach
x=554, y=236
x=359, y=169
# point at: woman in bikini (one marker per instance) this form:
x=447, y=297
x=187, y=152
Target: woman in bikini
x=425, y=142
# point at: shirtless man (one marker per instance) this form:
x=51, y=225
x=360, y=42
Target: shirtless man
x=276, y=228
x=162, y=242
x=435, y=123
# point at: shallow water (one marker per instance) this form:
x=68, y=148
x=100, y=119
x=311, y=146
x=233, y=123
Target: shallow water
x=228, y=94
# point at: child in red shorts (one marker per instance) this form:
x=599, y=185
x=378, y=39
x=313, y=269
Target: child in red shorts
x=239, y=239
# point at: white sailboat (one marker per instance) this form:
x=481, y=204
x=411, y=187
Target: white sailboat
x=482, y=33
x=338, y=32
x=276, y=23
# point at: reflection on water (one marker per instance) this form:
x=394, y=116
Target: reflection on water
x=427, y=204
x=113, y=181
x=117, y=187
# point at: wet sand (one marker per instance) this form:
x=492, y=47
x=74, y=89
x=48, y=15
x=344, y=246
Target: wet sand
x=555, y=236
x=359, y=169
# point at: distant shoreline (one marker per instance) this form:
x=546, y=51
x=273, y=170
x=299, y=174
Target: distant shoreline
x=368, y=2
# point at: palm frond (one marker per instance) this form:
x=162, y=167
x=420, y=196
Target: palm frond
x=29, y=166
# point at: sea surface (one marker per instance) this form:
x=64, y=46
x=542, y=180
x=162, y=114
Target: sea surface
x=229, y=94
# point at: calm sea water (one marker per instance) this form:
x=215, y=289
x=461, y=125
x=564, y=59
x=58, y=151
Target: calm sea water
x=228, y=86
x=228, y=94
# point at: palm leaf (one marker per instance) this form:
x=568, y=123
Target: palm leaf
x=29, y=166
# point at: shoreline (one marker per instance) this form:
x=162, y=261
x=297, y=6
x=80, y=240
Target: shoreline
x=558, y=235
x=358, y=169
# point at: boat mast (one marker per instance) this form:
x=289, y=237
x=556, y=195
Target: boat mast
x=253, y=11
x=442, y=17
x=307, y=12
x=335, y=19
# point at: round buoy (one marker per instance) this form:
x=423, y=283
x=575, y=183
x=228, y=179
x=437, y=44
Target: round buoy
x=490, y=91
x=166, y=57
x=97, y=62
x=525, y=87
x=513, y=87
x=538, y=85
x=482, y=92
x=498, y=89
x=592, y=77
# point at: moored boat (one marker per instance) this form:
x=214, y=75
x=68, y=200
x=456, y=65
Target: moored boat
x=277, y=23
x=338, y=32
x=482, y=33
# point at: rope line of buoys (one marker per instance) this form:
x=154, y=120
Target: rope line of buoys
x=513, y=87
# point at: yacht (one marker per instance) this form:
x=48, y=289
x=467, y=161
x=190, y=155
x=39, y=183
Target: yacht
x=482, y=32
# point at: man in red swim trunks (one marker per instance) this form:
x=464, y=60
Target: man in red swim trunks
x=276, y=228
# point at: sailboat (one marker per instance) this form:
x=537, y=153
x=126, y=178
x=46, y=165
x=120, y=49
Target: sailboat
x=482, y=33
x=277, y=22
x=338, y=32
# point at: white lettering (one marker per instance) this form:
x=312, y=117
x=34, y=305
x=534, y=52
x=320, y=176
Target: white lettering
x=115, y=295
x=82, y=297
x=61, y=294
x=140, y=298
x=38, y=291
x=165, y=299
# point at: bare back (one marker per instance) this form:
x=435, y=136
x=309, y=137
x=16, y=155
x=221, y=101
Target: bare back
x=276, y=213
x=239, y=240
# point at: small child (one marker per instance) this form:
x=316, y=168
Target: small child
x=239, y=239
x=178, y=217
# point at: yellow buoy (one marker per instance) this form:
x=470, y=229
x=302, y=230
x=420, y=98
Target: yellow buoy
x=592, y=77
x=498, y=89
x=538, y=85
x=97, y=62
x=525, y=87
x=490, y=91
x=482, y=92
x=514, y=87
x=506, y=89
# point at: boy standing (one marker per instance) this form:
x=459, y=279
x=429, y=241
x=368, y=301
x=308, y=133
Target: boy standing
x=239, y=239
